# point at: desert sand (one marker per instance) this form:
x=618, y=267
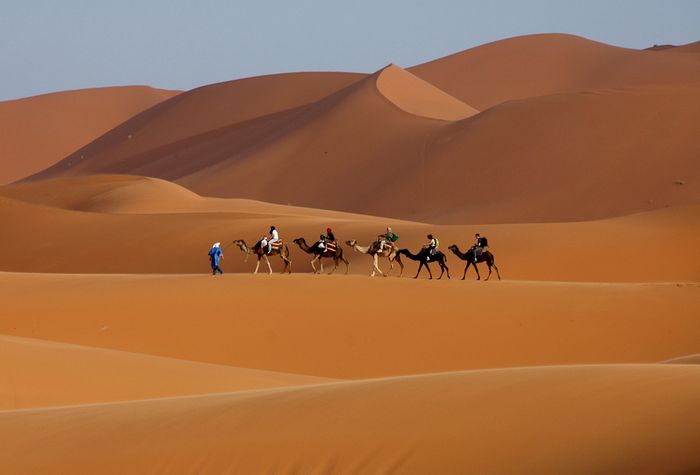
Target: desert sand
x=36, y=132
x=121, y=353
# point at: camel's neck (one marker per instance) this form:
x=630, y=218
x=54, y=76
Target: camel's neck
x=413, y=257
x=362, y=249
x=244, y=247
x=304, y=247
x=460, y=254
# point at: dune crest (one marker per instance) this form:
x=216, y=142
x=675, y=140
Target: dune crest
x=416, y=96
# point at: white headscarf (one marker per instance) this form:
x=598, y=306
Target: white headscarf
x=217, y=244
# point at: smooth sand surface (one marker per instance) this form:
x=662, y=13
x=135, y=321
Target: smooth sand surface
x=418, y=97
x=36, y=132
x=640, y=419
x=38, y=373
x=353, y=326
x=207, y=112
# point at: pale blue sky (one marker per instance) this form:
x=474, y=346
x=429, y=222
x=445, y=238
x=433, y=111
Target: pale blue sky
x=55, y=45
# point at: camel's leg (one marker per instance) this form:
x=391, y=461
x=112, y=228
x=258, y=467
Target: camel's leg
x=321, y=260
x=335, y=262
x=287, y=265
x=488, y=276
x=268, y=264
x=497, y=272
x=313, y=266
x=478, y=276
x=420, y=266
x=430, y=273
x=376, y=266
x=257, y=265
x=442, y=269
x=398, y=259
x=347, y=265
x=448, y=271
x=465, y=270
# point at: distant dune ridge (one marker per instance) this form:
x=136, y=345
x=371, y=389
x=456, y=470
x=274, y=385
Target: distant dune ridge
x=119, y=352
x=38, y=131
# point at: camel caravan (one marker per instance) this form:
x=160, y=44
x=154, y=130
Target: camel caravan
x=385, y=247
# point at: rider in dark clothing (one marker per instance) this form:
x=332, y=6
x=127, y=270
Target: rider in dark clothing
x=326, y=238
x=479, y=246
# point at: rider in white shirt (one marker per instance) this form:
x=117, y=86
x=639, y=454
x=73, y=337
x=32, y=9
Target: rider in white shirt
x=274, y=237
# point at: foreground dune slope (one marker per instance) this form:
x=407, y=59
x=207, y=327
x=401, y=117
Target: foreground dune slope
x=607, y=419
x=35, y=373
x=36, y=132
x=353, y=326
x=542, y=64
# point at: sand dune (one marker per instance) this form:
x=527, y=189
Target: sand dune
x=415, y=96
x=206, y=110
x=567, y=157
x=353, y=326
x=616, y=419
x=36, y=373
x=543, y=64
x=38, y=131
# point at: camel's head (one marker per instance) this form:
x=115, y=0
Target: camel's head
x=351, y=242
x=299, y=240
x=453, y=247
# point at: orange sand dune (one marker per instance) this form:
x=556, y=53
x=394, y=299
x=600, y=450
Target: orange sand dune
x=352, y=136
x=208, y=109
x=353, y=326
x=39, y=373
x=415, y=96
x=163, y=228
x=124, y=194
x=639, y=419
x=38, y=131
x=537, y=65
x=567, y=157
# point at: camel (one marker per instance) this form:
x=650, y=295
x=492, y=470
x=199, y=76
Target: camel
x=424, y=258
x=390, y=252
x=468, y=256
x=320, y=254
x=257, y=249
